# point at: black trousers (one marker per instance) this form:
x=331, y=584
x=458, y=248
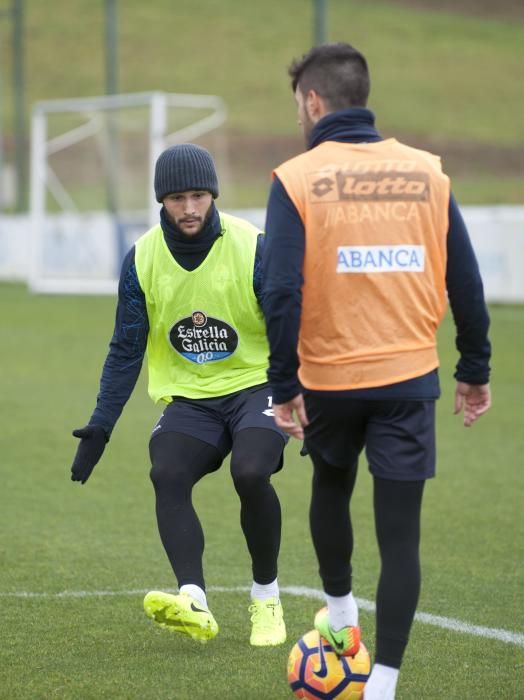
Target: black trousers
x=397, y=507
x=179, y=461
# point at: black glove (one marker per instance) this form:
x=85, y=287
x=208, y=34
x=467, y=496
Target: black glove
x=93, y=440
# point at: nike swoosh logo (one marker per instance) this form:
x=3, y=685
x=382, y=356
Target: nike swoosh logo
x=338, y=645
x=195, y=609
x=323, y=670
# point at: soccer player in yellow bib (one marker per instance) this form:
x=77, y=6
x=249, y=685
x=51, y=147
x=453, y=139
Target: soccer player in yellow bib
x=189, y=296
x=364, y=245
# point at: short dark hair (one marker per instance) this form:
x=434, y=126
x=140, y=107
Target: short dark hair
x=337, y=72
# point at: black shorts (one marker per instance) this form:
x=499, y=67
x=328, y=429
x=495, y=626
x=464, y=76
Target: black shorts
x=398, y=436
x=216, y=421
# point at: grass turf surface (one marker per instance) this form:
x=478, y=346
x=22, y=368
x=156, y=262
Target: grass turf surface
x=59, y=536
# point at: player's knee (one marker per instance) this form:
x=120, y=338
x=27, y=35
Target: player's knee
x=168, y=477
x=248, y=479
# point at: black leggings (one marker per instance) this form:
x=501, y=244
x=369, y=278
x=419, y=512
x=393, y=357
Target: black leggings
x=397, y=506
x=180, y=461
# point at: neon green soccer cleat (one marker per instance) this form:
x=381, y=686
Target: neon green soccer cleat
x=267, y=619
x=345, y=642
x=181, y=613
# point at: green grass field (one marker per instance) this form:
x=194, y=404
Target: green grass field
x=76, y=561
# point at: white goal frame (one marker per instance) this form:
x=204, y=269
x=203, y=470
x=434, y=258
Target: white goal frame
x=44, y=180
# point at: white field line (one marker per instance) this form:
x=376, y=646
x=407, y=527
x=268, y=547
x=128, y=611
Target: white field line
x=500, y=635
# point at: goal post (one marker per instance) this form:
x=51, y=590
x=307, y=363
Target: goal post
x=92, y=179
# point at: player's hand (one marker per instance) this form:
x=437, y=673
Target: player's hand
x=93, y=440
x=285, y=416
x=473, y=399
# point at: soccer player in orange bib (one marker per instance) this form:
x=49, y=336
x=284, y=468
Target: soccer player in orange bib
x=364, y=246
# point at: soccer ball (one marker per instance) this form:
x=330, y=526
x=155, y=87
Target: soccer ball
x=315, y=672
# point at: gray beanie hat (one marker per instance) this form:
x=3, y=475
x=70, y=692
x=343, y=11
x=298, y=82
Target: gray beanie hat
x=185, y=167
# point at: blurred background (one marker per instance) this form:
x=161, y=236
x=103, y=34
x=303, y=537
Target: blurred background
x=446, y=76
